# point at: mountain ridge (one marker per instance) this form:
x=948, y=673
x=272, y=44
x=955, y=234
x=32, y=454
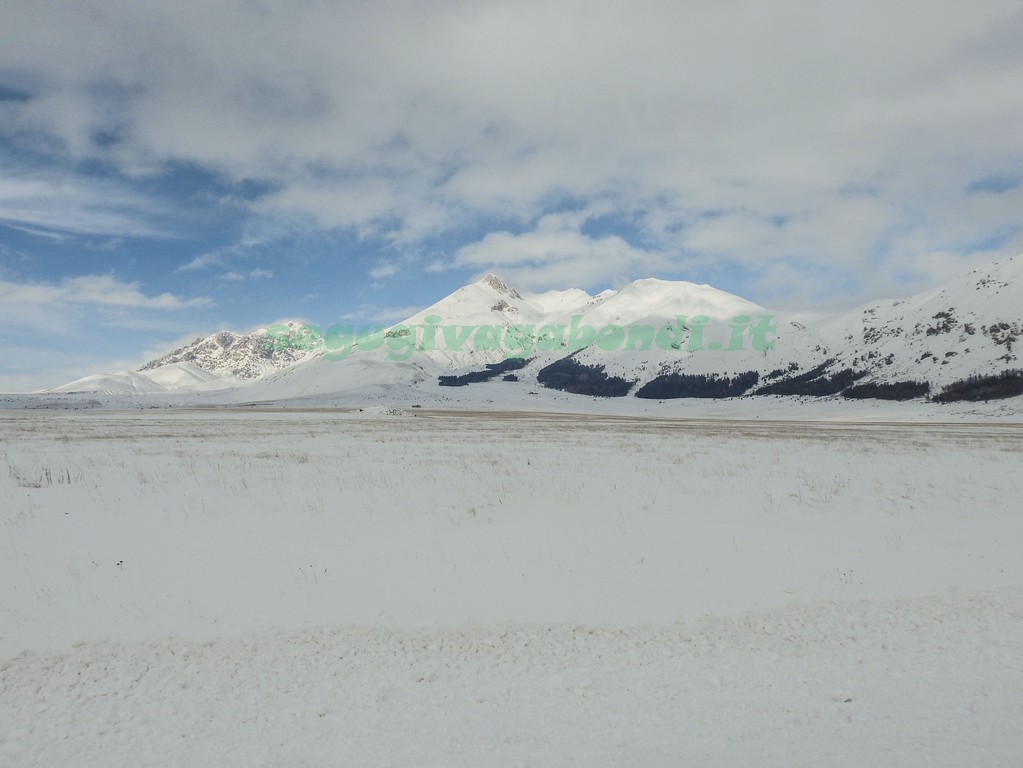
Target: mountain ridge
x=694, y=334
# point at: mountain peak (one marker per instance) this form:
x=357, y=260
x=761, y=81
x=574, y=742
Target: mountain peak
x=499, y=285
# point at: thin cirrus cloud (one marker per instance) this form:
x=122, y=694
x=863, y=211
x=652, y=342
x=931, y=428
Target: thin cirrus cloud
x=57, y=207
x=857, y=137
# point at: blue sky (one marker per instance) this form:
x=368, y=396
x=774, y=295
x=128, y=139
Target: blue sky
x=171, y=169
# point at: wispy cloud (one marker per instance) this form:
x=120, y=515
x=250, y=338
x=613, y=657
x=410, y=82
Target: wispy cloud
x=242, y=277
x=55, y=207
x=381, y=271
x=203, y=261
x=47, y=234
x=373, y=313
x=99, y=290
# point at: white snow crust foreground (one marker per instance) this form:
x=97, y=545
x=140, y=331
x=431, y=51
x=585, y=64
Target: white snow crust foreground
x=412, y=588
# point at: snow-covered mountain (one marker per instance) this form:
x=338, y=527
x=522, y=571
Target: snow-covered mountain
x=713, y=336
x=244, y=356
x=219, y=361
x=655, y=338
x=973, y=325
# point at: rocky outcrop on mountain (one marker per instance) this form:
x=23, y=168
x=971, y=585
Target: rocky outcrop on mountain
x=245, y=356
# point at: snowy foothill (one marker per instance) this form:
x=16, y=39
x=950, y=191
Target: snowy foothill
x=390, y=583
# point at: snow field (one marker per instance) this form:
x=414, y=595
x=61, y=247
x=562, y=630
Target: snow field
x=329, y=588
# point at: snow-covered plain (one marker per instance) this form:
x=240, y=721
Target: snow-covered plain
x=399, y=586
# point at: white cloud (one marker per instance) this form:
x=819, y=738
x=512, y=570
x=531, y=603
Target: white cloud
x=733, y=129
x=52, y=333
x=252, y=274
x=68, y=307
x=100, y=290
x=556, y=252
x=381, y=271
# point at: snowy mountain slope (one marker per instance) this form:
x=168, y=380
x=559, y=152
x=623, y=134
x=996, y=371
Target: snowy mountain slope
x=122, y=382
x=320, y=376
x=972, y=325
x=489, y=300
x=650, y=298
x=166, y=378
x=647, y=302
x=188, y=376
x=556, y=302
x=724, y=346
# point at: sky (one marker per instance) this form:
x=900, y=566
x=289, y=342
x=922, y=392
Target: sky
x=168, y=170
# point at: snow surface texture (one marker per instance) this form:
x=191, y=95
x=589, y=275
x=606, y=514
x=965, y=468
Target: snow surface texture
x=412, y=588
x=907, y=682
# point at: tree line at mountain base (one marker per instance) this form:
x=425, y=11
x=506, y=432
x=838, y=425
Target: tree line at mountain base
x=569, y=375
x=976, y=388
x=489, y=372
